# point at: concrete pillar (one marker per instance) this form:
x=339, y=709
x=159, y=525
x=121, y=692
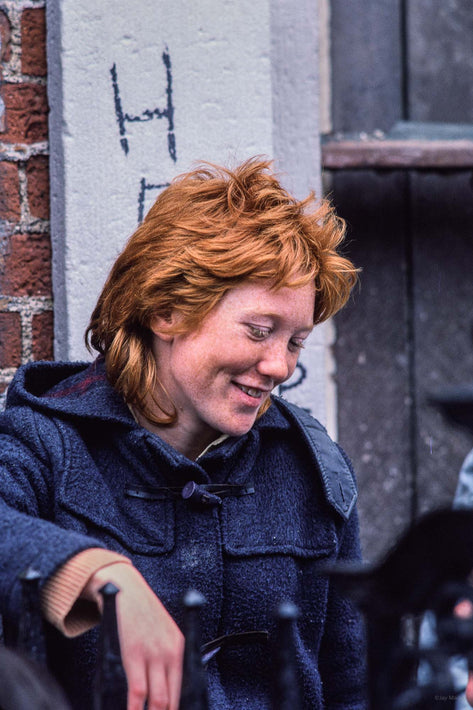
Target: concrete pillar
x=139, y=91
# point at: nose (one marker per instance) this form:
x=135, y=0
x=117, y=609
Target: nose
x=276, y=363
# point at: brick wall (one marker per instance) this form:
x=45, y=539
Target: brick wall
x=26, y=309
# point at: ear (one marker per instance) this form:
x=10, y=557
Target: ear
x=161, y=326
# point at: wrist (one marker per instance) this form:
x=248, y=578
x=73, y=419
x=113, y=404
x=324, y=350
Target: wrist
x=110, y=573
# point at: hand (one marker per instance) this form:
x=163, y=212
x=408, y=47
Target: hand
x=152, y=645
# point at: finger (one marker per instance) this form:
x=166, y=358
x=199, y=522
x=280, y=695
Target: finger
x=137, y=689
x=158, y=698
x=174, y=685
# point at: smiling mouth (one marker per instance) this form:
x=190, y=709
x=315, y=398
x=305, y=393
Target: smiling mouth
x=251, y=391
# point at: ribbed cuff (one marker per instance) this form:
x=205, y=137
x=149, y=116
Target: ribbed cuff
x=60, y=601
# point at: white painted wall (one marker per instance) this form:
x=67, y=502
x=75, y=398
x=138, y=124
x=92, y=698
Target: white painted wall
x=242, y=78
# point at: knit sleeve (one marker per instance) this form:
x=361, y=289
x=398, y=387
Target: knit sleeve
x=60, y=600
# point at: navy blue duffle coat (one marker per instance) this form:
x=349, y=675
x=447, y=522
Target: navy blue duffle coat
x=72, y=459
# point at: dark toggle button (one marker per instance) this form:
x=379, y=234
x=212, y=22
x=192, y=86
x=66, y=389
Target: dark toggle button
x=196, y=493
x=213, y=491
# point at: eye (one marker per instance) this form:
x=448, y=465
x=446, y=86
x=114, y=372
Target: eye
x=296, y=344
x=258, y=332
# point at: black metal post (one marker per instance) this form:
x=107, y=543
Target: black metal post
x=194, y=681
x=31, y=639
x=110, y=685
x=286, y=690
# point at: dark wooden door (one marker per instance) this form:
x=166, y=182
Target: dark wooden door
x=408, y=328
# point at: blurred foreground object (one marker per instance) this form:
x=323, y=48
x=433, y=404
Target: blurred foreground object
x=428, y=569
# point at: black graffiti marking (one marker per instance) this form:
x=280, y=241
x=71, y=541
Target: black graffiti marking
x=148, y=114
x=144, y=186
x=118, y=109
x=299, y=381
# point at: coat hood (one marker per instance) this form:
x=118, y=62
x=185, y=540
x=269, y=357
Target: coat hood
x=68, y=389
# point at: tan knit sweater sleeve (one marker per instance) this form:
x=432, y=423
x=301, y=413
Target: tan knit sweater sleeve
x=60, y=600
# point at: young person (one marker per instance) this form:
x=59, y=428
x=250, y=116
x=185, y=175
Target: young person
x=168, y=464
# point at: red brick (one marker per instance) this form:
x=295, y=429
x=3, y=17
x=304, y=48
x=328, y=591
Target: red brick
x=10, y=340
x=9, y=192
x=26, y=111
x=5, y=34
x=27, y=270
x=37, y=172
x=33, y=42
x=43, y=336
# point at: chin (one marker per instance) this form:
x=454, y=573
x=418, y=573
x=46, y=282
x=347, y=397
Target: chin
x=237, y=429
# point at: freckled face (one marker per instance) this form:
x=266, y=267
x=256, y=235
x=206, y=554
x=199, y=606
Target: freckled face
x=219, y=375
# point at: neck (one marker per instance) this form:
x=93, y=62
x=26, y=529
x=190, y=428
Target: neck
x=189, y=443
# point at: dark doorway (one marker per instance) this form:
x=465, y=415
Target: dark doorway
x=408, y=328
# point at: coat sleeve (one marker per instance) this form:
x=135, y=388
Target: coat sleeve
x=30, y=451
x=343, y=650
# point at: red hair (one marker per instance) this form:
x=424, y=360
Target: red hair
x=209, y=231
